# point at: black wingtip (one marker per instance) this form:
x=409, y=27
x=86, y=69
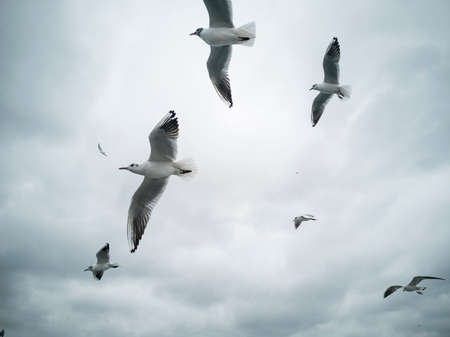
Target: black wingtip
x=172, y=112
x=335, y=38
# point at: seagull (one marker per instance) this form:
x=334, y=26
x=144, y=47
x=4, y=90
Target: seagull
x=330, y=83
x=305, y=217
x=156, y=171
x=412, y=286
x=102, y=263
x=2, y=333
x=220, y=35
x=100, y=149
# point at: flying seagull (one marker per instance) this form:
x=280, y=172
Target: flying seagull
x=330, y=83
x=220, y=35
x=156, y=171
x=100, y=149
x=102, y=263
x=412, y=286
x=305, y=217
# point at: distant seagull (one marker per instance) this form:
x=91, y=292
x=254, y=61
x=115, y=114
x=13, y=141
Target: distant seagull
x=305, y=217
x=156, y=171
x=220, y=35
x=102, y=263
x=2, y=333
x=412, y=286
x=330, y=83
x=100, y=149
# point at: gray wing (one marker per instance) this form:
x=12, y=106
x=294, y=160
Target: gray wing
x=163, y=139
x=318, y=107
x=390, y=290
x=331, y=62
x=415, y=281
x=103, y=254
x=220, y=13
x=141, y=207
x=297, y=222
x=217, y=64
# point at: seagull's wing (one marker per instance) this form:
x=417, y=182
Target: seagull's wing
x=163, y=139
x=390, y=290
x=415, y=281
x=297, y=223
x=218, y=62
x=100, y=149
x=98, y=275
x=331, y=62
x=220, y=13
x=318, y=107
x=142, y=204
x=103, y=254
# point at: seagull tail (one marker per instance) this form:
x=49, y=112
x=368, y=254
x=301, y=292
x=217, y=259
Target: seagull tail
x=248, y=33
x=114, y=265
x=186, y=168
x=346, y=91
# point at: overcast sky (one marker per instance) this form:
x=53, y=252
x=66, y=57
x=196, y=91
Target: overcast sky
x=221, y=256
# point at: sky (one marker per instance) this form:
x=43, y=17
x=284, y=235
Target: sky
x=220, y=256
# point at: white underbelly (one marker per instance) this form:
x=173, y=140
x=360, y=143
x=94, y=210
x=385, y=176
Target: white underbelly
x=157, y=170
x=328, y=88
x=217, y=37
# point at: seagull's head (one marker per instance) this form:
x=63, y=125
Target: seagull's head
x=197, y=32
x=88, y=268
x=132, y=167
x=314, y=87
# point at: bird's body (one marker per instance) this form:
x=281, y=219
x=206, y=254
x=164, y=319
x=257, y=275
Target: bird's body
x=330, y=84
x=305, y=217
x=220, y=36
x=102, y=263
x=156, y=171
x=411, y=286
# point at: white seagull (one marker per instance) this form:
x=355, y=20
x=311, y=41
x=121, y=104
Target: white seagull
x=156, y=171
x=330, y=84
x=305, y=217
x=102, y=263
x=100, y=149
x=412, y=286
x=220, y=35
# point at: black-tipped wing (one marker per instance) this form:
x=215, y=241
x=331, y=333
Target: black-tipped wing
x=415, y=281
x=331, y=62
x=141, y=207
x=103, y=254
x=98, y=275
x=390, y=290
x=217, y=64
x=318, y=107
x=163, y=139
x=220, y=13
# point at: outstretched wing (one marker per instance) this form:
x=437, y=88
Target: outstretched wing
x=220, y=13
x=331, y=62
x=415, y=281
x=390, y=290
x=318, y=107
x=163, y=139
x=218, y=61
x=103, y=254
x=141, y=207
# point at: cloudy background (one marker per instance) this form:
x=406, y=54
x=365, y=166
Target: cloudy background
x=221, y=256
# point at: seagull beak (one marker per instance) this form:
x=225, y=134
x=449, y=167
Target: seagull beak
x=123, y=168
x=87, y=269
x=311, y=88
x=194, y=33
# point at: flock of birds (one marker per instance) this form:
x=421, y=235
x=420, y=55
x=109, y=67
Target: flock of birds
x=162, y=163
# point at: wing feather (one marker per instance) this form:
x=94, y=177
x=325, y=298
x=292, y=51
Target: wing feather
x=220, y=13
x=390, y=290
x=103, y=254
x=318, y=107
x=331, y=62
x=163, y=139
x=141, y=207
x=415, y=281
x=218, y=61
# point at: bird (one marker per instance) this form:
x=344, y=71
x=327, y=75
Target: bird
x=102, y=263
x=330, y=83
x=305, y=217
x=100, y=149
x=220, y=35
x=412, y=286
x=2, y=333
x=156, y=171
